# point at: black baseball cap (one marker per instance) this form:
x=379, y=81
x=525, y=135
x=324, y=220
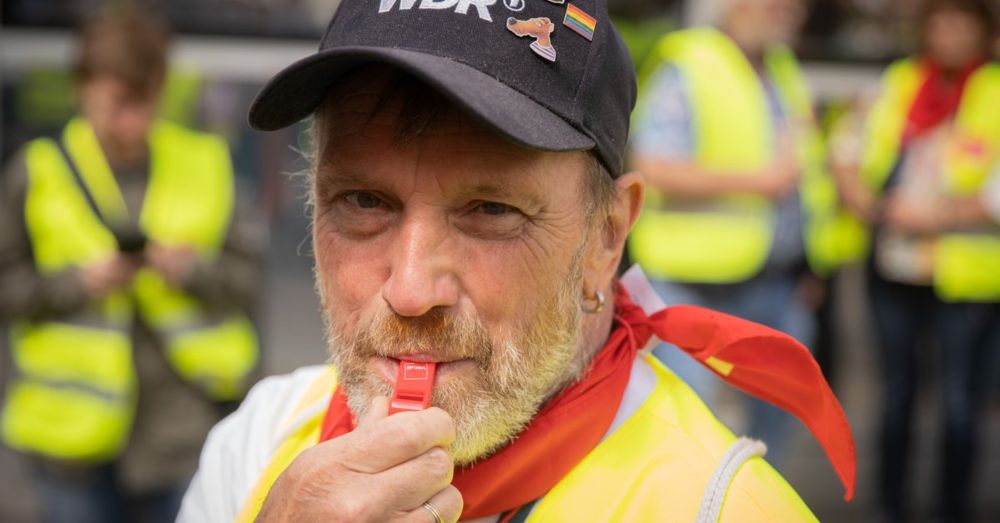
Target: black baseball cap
x=575, y=94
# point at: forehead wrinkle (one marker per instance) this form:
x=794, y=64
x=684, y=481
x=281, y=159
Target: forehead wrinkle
x=475, y=155
x=517, y=182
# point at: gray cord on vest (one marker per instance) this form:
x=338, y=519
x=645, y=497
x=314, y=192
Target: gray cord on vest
x=739, y=453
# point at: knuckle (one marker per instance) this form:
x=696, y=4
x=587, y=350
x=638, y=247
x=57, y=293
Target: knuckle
x=453, y=503
x=353, y=508
x=438, y=463
x=443, y=420
x=354, y=451
x=351, y=446
x=434, y=426
x=406, y=437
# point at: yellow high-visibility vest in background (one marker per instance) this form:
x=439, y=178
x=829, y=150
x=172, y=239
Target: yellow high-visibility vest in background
x=729, y=239
x=966, y=263
x=74, y=390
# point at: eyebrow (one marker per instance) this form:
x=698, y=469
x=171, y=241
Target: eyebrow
x=334, y=177
x=329, y=175
x=489, y=189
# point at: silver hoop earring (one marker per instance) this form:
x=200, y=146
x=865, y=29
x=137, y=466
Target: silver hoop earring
x=597, y=307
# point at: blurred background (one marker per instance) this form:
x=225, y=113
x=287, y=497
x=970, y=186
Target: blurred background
x=223, y=50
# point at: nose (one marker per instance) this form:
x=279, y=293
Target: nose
x=423, y=268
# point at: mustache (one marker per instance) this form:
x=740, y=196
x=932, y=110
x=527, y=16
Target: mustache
x=446, y=335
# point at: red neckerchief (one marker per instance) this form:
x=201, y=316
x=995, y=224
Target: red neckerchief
x=767, y=363
x=937, y=99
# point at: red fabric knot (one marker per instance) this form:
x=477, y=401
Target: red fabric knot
x=632, y=318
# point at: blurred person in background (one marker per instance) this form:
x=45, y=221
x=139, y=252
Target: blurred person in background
x=740, y=206
x=930, y=142
x=126, y=274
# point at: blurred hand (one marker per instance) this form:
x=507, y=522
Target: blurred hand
x=383, y=471
x=781, y=177
x=175, y=264
x=860, y=201
x=912, y=216
x=108, y=275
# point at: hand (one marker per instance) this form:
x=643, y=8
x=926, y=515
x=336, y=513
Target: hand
x=383, y=471
x=103, y=277
x=860, y=201
x=918, y=217
x=175, y=263
x=781, y=177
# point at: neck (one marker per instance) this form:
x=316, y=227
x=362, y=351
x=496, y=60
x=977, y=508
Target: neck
x=744, y=37
x=952, y=70
x=124, y=160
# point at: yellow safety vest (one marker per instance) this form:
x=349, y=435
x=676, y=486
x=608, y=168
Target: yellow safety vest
x=654, y=467
x=966, y=263
x=729, y=240
x=74, y=391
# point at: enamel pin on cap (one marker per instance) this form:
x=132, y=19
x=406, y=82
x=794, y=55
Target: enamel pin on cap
x=538, y=28
x=580, y=22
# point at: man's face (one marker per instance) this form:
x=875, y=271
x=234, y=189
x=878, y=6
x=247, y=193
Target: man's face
x=954, y=38
x=777, y=21
x=120, y=118
x=455, y=247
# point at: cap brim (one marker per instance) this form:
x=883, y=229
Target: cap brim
x=297, y=91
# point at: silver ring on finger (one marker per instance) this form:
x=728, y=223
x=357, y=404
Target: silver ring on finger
x=434, y=512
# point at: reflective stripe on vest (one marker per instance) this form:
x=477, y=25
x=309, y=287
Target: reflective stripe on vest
x=74, y=393
x=966, y=263
x=651, y=468
x=730, y=240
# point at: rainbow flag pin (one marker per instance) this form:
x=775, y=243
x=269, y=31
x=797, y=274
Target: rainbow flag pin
x=580, y=22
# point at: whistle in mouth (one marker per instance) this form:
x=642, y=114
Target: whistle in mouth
x=414, y=382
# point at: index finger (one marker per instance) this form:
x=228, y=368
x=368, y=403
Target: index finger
x=388, y=442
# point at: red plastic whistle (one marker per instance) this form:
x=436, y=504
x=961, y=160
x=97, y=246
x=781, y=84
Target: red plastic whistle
x=414, y=382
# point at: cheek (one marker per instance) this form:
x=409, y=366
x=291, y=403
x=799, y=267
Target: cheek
x=511, y=280
x=490, y=276
x=508, y=283
x=967, y=39
x=352, y=273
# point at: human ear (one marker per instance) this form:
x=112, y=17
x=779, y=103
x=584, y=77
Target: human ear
x=609, y=232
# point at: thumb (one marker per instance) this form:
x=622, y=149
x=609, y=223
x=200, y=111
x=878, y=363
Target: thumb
x=378, y=409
